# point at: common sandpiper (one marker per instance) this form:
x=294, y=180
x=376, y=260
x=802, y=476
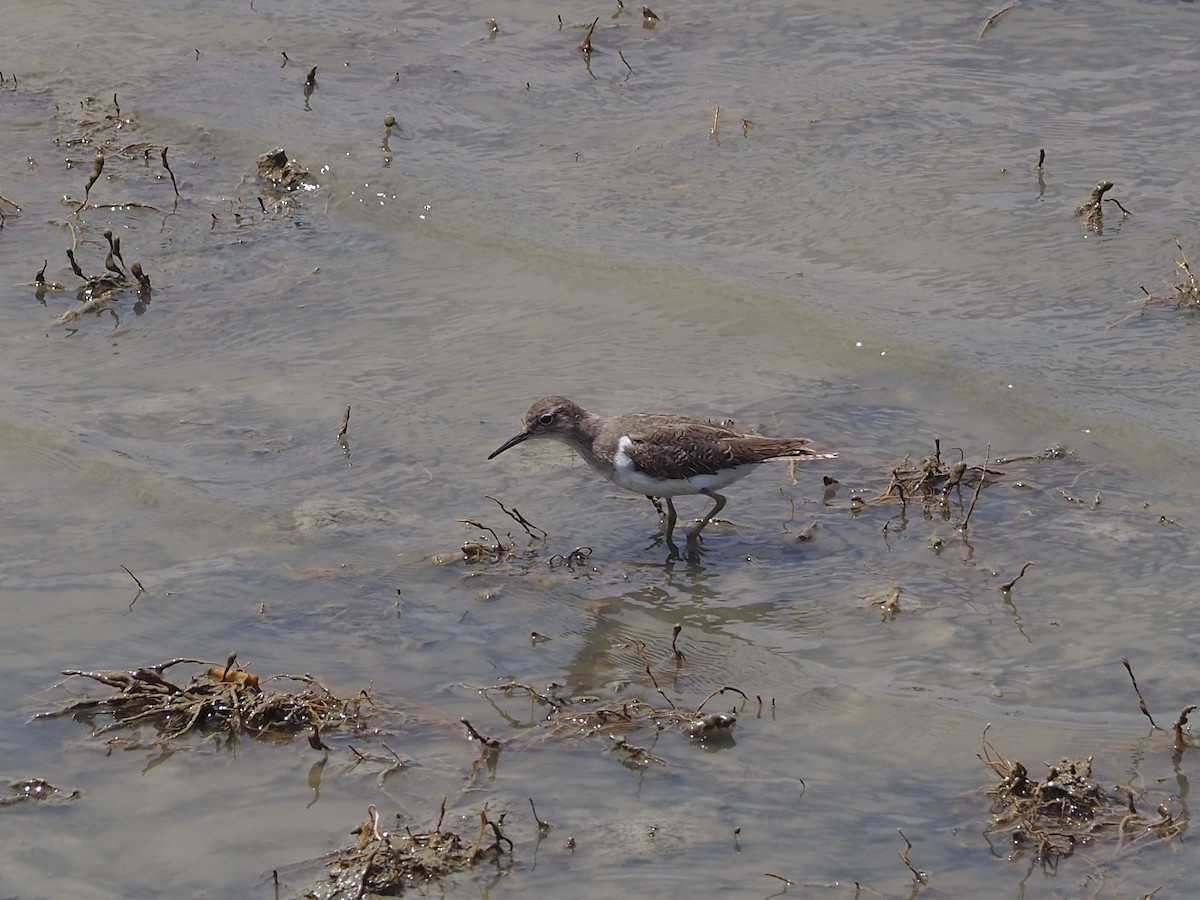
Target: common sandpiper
x=658, y=455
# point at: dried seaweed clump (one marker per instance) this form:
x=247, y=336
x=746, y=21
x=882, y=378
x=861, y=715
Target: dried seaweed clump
x=932, y=481
x=223, y=698
x=1187, y=290
x=385, y=863
x=282, y=174
x=1185, y=293
x=1092, y=212
x=98, y=292
x=1069, y=808
x=497, y=550
x=34, y=790
x=586, y=716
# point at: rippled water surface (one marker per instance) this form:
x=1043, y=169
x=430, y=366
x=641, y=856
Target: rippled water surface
x=822, y=219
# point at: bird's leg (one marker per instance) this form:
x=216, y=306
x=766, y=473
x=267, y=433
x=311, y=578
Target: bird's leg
x=657, y=504
x=672, y=518
x=720, y=505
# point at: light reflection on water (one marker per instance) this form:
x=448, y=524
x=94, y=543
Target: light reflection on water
x=871, y=264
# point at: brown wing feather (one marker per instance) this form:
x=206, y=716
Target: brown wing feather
x=670, y=449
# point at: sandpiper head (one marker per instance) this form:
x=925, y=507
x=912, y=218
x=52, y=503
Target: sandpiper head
x=550, y=417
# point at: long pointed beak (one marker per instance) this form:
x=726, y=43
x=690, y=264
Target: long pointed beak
x=511, y=442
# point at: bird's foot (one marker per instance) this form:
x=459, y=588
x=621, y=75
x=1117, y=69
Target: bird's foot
x=674, y=553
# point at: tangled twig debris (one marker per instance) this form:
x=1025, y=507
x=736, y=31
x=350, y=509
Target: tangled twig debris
x=1053, y=817
x=384, y=862
x=224, y=698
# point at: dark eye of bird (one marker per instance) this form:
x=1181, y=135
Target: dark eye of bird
x=546, y=418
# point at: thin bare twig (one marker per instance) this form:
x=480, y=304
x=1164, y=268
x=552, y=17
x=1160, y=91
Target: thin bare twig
x=516, y=516
x=641, y=649
x=991, y=20
x=174, y=184
x=97, y=168
x=490, y=743
x=920, y=877
x=1008, y=585
x=141, y=587
x=1119, y=206
x=1137, y=690
x=499, y=546
x=679, y=655
x=585, y=46
x=978, y=488
x=1180, y=740
x=721, y=690
x=543, y=826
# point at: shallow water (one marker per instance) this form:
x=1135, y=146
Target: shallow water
x=873, y=264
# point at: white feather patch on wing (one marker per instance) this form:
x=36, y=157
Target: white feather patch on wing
x=627, y=476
